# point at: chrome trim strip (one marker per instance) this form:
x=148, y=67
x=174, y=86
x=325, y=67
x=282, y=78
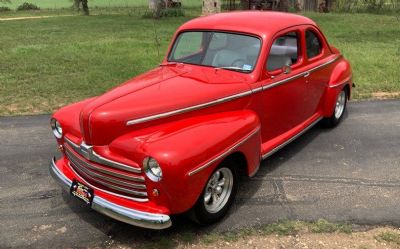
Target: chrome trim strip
x=325, y=64
x=304, y=74
x=228, y=98
x=190, y=108
x=106, y=178
x=91, y=155
x=73, y=145
x=229, y=150
x=124, y=214
x=84, y=175
x=339, y=84
x=102, y=160
x=278, y=83
x=290, y=140
x=72, y=157
x=256, y=90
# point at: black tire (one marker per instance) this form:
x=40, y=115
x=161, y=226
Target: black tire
x=200, y=213
x=335, y=119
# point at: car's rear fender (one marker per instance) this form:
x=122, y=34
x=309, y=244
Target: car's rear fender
x=189, y=150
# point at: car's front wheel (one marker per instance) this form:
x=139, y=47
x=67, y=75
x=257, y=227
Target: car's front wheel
x=217, y=196
x=340, y=107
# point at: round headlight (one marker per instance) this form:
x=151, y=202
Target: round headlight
x=56, y=127
x=152, y=169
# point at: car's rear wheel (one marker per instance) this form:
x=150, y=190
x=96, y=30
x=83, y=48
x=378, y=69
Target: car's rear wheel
x=218, y=194
x=340, y=107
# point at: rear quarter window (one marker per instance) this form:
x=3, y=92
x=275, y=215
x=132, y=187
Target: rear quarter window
x=313, y=44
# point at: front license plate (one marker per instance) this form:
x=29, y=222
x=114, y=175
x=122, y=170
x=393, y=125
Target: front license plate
x=82, y=192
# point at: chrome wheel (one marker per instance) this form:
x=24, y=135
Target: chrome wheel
x=340, y=104
x=218, y=190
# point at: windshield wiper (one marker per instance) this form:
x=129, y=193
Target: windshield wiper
x=237, y=69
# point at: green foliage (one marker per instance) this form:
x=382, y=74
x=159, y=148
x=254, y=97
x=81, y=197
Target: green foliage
x=283, y=228
x=368, y=6
x=28, y=6
x=389, y=237
x=47, y=63
x=372, y=45
x=109, y=4
x=169, y=12
x=323, y=226
x=4, y=8
x=51, y=62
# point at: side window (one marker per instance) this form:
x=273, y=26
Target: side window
x=284, y=51
x=313, y=44
x=189, y=44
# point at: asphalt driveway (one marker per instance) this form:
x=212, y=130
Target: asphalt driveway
x=350, y=173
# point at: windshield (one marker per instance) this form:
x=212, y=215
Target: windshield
x=216, y=49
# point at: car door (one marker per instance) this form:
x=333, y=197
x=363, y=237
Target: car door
x=283, y=93
x=317, y=76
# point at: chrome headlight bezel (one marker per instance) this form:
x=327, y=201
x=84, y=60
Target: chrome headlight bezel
x=152, y=169
x=56, y=128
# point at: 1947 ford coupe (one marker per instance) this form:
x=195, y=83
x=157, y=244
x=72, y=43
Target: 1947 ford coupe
x=233, y=89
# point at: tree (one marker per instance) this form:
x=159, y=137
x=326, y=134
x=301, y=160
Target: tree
x=156, y=6
x=84, y=3
x=283, y=5
x=153, y=4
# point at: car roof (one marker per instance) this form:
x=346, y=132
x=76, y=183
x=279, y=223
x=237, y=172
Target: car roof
x=261, y=23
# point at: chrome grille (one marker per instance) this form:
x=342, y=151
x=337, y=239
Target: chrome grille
x=110, y=179
x=93, y=156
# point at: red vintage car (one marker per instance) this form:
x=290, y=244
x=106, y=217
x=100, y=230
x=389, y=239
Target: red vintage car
x=233, y=89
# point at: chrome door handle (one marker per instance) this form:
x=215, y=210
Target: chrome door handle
x=306, y=74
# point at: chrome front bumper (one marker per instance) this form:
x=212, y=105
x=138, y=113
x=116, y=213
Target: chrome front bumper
x=124, y=214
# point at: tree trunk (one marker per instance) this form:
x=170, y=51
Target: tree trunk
x=153, y=4
x=283, y=5
x=85, y=7
x=211, y=7
x=244, y=4
x=77, y=4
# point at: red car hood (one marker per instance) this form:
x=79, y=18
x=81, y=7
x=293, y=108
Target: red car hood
x=161, y=90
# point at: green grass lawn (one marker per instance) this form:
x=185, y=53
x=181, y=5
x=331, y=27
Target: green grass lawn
x=47, y=63
x=371, y=43
x=57, y=4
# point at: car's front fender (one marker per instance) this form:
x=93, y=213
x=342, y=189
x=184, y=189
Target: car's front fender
x=189, y=150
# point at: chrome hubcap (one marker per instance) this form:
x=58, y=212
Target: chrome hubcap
x=218, y=190
x=340, y=103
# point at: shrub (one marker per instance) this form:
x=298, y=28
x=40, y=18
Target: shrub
x=4, y=8
x=168, y=12
x=28, y=6
x=370, y=6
